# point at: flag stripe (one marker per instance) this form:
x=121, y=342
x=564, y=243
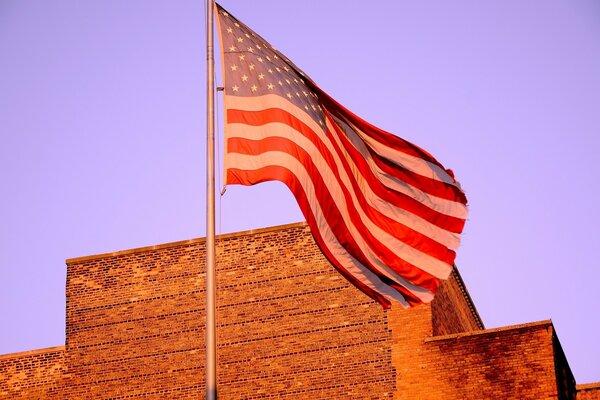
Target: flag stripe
x=438, y=211
x=395, y=149
x=416, y=198
x=363, y=198
x=385, y=212
x=399, y=178
x=256, y=170
x=377, y=255
x=391, y=209
x=351, y=268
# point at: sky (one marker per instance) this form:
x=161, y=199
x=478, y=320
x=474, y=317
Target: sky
x=102, y=139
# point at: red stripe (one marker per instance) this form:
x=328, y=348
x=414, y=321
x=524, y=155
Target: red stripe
x=395, y=228
x=403, y=268
x=401, y=232
x=284, y=175
x=258, y=118
x=380, y=135
x=401, y=200
x=428, y=185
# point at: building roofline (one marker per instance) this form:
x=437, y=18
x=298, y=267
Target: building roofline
x=470, y=303
x=76, y=260
x=27, y=353
x=456, y=336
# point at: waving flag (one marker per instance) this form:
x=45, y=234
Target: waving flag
x=384, y=212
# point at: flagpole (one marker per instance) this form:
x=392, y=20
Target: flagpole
x=211, y=340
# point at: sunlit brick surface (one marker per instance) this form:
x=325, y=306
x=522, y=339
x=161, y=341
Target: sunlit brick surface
x=288, y=327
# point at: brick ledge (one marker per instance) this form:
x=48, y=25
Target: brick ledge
x=456, y=336
x=75, y=260
x=27, y=353
x=588, y=386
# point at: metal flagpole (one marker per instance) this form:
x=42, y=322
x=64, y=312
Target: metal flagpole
x=211, y=340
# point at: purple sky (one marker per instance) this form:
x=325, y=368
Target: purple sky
x=102, y=124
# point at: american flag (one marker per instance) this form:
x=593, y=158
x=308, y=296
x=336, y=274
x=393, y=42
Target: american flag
x=384, y=212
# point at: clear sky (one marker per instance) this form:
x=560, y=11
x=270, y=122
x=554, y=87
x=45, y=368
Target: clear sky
x=102, y=131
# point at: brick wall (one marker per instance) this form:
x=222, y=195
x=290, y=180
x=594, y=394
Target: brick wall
x=506, y=363
x=288, y=327
x=33, y=374
x=452, y=310
x=288, y=324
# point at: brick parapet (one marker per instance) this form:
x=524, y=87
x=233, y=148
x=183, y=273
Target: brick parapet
x=517, y=362
x=35, y=374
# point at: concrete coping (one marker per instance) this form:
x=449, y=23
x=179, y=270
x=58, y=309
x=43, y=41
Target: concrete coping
x=456, y=336
x=28, y=353
x=76, y=260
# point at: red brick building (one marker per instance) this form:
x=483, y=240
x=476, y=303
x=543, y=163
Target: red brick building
x=288, y=327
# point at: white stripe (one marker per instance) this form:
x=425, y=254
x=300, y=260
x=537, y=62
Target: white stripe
x=443, y=206
x=408, y=253
x=415, y=222
x=412, y=163
x=390, y=210
x=415, y=164
x=350, y=264
x=247, y=162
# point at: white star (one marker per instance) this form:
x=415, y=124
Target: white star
x=253, y=87
x=229, y=30
x=270, y=86
x=250, y=49
x=261, y=76
x=248, y=36
x=251, y=66
x=235, y=88
x=297, y=94
x=305, y=94
x=258, y=47
x=232, y=48
x=280, y=83
x=289, y=95
x=240, y=39
x=270, y=70
x=260, y=59
x=225, y=13
x=236, y=24
x=234, y=67
x=286, y=68
x=306, y=107
x=244, y=78
x=278, y=69
x=242, y=57
x=275, y=55
x=268, y=58
x=288, y=81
